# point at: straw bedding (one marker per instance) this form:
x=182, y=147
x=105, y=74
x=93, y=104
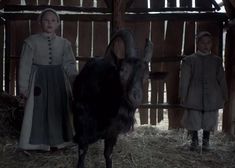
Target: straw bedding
x=145, y=147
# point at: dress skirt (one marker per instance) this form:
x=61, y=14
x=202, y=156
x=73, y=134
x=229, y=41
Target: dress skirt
x=50, y=122
x=195, y=120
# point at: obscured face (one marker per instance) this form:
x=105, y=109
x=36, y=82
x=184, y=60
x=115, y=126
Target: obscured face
x=49, y=22
x=205, y=44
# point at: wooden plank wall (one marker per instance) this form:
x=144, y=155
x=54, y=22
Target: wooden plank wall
x=16, y=40
x=171, y=38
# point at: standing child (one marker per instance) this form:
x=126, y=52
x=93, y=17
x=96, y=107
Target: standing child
x=47, y=68
x=203, y=90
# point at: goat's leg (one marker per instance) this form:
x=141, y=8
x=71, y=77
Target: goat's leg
x=82, y=150
x=108, y=149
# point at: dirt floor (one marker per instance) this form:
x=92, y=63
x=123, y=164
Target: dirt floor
x=145, y=147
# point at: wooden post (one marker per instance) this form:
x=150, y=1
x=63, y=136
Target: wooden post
x=100, y=35
x=157, y=87
x=1, y=54
x=118, y=23
x=7, y=56
x=229, y=110
x=70, y=28
x=118, y=14
x=85, y=36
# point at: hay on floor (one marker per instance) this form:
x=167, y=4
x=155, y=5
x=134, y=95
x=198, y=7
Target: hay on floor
x=146, y=147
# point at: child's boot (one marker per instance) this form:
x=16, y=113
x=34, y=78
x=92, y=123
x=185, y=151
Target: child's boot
x=194, y=143
x=205, y=141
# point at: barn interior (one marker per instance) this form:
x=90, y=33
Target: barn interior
x=88, y=24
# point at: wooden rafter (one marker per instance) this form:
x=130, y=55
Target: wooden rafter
x=17, y=8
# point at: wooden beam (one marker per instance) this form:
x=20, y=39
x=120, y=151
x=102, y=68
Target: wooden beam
x=67, y=17
x=160, y=105
x=15, y=8
x=220, y=17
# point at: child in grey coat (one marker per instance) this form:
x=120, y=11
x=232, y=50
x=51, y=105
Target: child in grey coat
x=203, y=90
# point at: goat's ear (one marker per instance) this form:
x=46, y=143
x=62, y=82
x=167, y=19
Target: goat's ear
x=148, y=50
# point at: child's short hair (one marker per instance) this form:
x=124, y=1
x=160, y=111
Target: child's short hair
x=203, y=34
x=48, y=10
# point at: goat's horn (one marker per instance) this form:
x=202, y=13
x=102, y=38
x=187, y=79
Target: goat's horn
x=148, y=50
x=128, y=40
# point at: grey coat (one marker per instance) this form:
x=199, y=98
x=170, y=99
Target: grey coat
x=202, y=82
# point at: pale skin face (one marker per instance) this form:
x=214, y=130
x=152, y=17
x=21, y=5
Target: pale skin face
x=205, y=44
x=49, y=23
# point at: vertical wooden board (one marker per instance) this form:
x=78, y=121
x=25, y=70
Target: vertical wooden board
x=203, y=4
x=157, y=87
x=141, y=32
x=55, y=2
x=100, y=38
x=72, y=2
x=185, y=3
x=70, y=28
x=189, y=40
x=35, y=27
x=70, y=33
x=87, y=3
x=34, y=24
x=173, y=45
x=171, y=3
x=43, y=2
x=1, y=54
x=101, y=4
x=214, y=29
x=31, y=2
x=85, y=41
x=157, y=4
x=140, y=4
x=19, y=33
x=12, y=2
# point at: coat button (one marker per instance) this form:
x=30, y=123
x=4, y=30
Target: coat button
x=50, y=57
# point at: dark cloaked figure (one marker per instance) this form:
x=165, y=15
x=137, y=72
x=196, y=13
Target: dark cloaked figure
x=203, y=90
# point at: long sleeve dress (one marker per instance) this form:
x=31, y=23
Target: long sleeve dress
x=203, y=90
x=47, y=68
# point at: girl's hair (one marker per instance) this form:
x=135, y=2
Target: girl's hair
x=48, y=10
x=203, y=34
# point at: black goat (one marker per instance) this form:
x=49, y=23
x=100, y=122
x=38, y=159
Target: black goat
x=106, y=95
